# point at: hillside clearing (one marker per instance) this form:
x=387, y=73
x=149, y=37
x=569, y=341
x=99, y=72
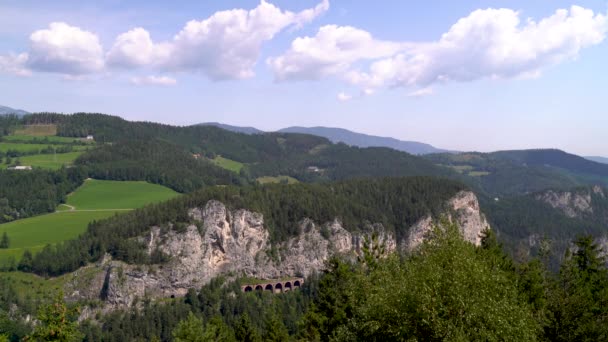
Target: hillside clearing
x=277, y=179
x=37, y=130
x=228, y=164
x=94, y=200
x=99, y=194
x=50, y=161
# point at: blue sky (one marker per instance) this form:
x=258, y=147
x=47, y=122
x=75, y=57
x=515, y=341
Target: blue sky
x=464, y=75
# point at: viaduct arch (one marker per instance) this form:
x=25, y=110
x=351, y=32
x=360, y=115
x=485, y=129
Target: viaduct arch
x=275, y=286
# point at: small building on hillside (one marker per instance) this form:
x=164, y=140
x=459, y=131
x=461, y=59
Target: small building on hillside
x=313, y=169
x=197, y=156
x=89, y=137
x=20, y=167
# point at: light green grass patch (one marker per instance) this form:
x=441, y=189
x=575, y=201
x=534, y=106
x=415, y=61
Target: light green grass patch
x=50, y=161
x=478, y=173
x=228, y=164
x=6, y=146
x=277, y=179
x=40, y=139
x=37, y=130
x=99, y=194
x=34, y=233
x=94, y=200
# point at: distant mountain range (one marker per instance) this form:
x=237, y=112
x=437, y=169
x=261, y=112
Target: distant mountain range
x=237, y=129
x=4, y=110
x=364, y=140
x=596, y=159
x=345, y=136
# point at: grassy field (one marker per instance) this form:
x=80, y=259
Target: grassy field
x=98, y=194
x=50, y=138
x=228, y=164
x=37, y=130
x=21, y=147
x=50, y=161
x=94, y=200
x=278, y=179
x=35, y=232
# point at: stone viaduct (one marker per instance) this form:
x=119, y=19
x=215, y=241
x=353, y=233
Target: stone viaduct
x=275, y=286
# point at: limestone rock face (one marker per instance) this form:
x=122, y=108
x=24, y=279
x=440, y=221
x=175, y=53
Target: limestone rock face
x=464, y=210
x=236, y=242
x=572, y=204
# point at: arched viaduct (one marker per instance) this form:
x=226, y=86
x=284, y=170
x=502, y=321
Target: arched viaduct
x=275, y=286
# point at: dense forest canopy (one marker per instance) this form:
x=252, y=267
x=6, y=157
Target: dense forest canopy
x=446, y=290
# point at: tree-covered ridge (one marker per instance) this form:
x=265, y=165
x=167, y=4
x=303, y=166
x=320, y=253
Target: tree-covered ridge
x=396, y=203
x=23, y=194
x=157, y=162
x=509, y=173
x=269, y=154
x=523, y=221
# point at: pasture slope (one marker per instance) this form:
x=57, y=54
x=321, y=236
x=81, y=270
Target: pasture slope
x=94, y=200
x=50, y=161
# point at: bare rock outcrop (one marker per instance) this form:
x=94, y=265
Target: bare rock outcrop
x=572, y=203
x=463, y=210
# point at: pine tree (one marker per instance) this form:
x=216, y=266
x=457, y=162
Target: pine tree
x=5, y=241
x=245, y=331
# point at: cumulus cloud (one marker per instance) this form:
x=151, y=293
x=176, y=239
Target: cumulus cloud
x=332, y=50
x=154, y=80
x=14, y=64
x=491, y=43
x=65, y=49
x=342, y=96
x=226, y=45
x=135, y=49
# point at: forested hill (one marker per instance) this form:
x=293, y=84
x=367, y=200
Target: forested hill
x=305, y=157
x=237, y=129
x=558, y=159
x=508, y=173
x=155, y=161
x=364, y=140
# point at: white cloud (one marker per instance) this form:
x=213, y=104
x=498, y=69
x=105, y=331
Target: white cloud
x=491, y=43
x=14, y=64
x=332, y=50
x=421, y=92
x=344, y=97
x=226, y=45
x=154, y=80
x=65, y=49
x=135, y=48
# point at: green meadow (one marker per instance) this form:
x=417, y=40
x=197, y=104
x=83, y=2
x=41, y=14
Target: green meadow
x=50, y=161
x=97, y=195
x=277, y=179
x=94, y=200
x=228, y=164
x=41, y=139
x=33, y=148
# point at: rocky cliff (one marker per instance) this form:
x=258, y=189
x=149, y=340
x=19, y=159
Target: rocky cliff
x=574, y=204
x=235, y=242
